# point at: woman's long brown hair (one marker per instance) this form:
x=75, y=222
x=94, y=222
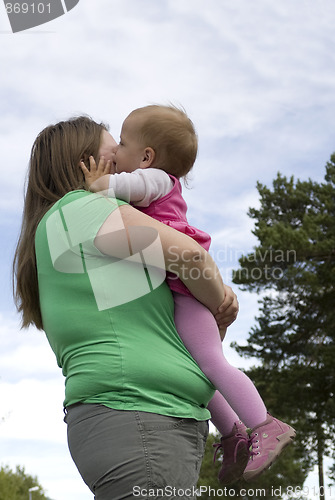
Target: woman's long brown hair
x=53, y=171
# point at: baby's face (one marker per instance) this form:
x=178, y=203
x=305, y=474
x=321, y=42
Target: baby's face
x=129, y=153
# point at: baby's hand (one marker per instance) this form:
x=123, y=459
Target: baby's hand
x=95, y=172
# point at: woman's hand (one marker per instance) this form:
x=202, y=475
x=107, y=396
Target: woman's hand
x=95, y=173
x=222, y=331
x=228, y=310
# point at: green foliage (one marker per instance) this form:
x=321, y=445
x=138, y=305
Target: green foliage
x=294, y=268
x=15, y=485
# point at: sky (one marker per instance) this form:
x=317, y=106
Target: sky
x=257, y=78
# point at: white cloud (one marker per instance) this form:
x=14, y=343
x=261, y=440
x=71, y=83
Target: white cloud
x=31, y=395
x=25, y=353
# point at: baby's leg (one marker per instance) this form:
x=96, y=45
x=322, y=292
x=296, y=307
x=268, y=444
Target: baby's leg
x=198, y=329
x=223, y=416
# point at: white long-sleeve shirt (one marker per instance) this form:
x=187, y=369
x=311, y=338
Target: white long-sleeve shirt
x=141, y=187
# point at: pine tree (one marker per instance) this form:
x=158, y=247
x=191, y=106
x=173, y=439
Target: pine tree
x=293, y=268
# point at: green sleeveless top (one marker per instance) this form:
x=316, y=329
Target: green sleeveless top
x=110, y=322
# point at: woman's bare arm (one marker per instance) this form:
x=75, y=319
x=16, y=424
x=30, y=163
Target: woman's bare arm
x=182, y=255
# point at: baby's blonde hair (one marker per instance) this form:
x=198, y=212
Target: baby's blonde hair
x=171, y=134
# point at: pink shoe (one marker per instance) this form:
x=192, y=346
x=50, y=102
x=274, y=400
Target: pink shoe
x=267, y=441
x=235, y=454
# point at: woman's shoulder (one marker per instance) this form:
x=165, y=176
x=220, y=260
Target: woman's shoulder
x=72, y=196
x=81, y=197
x=81, y=203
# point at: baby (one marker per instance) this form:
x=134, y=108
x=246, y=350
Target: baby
x=158, y=146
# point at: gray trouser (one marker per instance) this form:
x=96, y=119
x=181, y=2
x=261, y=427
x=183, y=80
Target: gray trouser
x=133, y=454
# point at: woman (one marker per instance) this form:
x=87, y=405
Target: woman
x=89, y=273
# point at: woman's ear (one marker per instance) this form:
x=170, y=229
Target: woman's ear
x=148, y=158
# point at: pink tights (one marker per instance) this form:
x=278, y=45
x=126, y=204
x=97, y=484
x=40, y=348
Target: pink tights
x=236, y=397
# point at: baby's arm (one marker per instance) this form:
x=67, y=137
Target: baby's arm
x=141, y=187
